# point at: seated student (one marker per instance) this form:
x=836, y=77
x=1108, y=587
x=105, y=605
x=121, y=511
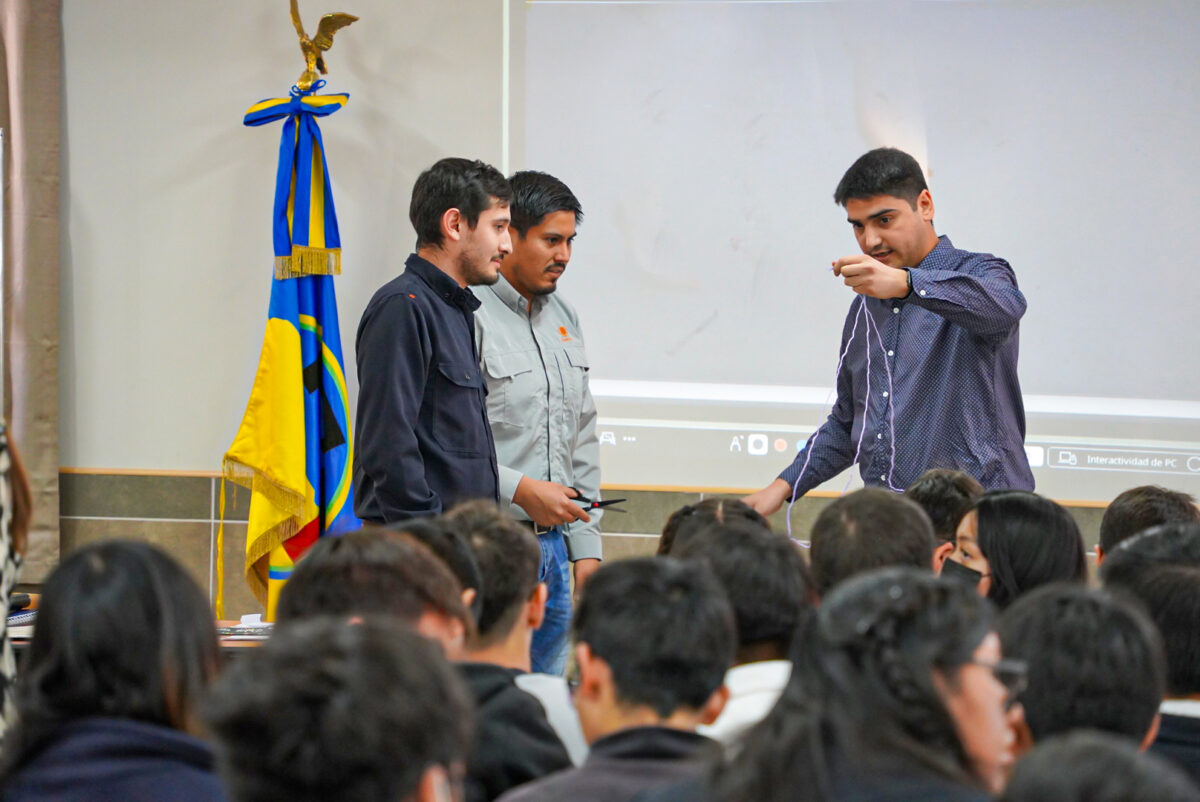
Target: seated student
x=769, y=586
x=1162, y=568
x=1087, y=766
x=369, y=712
x=945, y=495
x=653, y=639
x=1012, y=541
x=898, y=692
x=869, y=528
x=124, y=645
x=514, y=741
x=1095, y=662
x=371, y=571
x=691, y=518
x=448, y=545
x=1140, y=508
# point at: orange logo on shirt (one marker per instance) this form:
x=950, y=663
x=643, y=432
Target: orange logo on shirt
x=563, y=331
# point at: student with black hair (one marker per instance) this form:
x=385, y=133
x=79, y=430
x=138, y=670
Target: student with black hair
x=1161, y=567
x=374, y=572
x=124, y=646
x=369, y=712
x=653, y=639
x=689, y=519
x=945, y=495
x=933, y=334
x=1012, y=541
x=448, y=544
x=1139, y=509
x=1089, y=766
x=514, y=741
x=867, y=529
x=898, y=692
x=1095, y=661
x=769, y=586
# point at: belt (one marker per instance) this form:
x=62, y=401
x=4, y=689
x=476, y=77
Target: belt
x=536, y=529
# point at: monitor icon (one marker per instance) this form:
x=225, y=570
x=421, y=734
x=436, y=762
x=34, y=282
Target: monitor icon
x=756, y=444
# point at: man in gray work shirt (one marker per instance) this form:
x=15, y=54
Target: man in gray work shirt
x=539, y=405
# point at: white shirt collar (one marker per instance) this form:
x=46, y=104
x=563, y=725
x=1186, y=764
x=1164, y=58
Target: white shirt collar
x=1181, y=707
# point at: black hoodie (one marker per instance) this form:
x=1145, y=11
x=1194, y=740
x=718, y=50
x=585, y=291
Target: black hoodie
x=514, y=743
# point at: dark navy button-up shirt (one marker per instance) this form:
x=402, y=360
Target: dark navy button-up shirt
x=422, y=439
x=928, y=381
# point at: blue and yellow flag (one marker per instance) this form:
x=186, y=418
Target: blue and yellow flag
x=293, y=448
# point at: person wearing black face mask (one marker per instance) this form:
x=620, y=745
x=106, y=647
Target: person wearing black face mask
x=1010, y=542
x=960, y=572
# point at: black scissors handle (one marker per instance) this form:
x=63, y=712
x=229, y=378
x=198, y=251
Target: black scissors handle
x=588, y=504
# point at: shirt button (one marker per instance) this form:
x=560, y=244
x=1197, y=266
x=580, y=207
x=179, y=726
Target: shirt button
x=883, y=478
x=921, y=293
x=885, y=394
x=891, y=353
x=879, y=437
x=895, y=310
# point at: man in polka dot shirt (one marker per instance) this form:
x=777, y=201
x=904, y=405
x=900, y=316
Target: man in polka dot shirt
x=928, y=371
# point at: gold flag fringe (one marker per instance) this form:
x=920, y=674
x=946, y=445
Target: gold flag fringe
x=306, y=261
x=219, y=606
x=281, y=497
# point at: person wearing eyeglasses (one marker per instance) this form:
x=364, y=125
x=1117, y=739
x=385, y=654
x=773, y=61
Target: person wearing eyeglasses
x=898, y=691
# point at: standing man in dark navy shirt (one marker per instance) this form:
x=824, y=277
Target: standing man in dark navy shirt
x=422, y=436
x=928, y=371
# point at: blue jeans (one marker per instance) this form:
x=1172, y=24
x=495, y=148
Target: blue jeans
x=549, y=651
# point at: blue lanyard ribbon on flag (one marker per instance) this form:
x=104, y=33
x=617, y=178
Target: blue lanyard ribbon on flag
x=305, y=230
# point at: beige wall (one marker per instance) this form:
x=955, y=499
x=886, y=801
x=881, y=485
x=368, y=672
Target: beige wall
x=167, y=198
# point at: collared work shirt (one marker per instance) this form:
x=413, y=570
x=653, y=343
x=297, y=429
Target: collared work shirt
x=928, y=381
x=422, y=440
x=541, y=410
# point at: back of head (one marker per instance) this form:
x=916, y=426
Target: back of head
x=370, y=572
x=1095, y=661
x=442, y=537
x=664, y=628
x=1095, y=767
x=883, y=171
x=691, y=518
x=464, y=184
x=123, y=632
x=867, y=529
x=508, y=557
x=764, y=577
x=536, y=195
x=1161, y=567
x=863, y=694
x=944, y=495
x=1029, y=541
x=1140, y=508
x=323, y=710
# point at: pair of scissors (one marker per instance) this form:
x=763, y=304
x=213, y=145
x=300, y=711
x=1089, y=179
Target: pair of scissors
x=588, y=504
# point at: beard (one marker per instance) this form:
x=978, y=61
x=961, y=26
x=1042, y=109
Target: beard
x=476, y=273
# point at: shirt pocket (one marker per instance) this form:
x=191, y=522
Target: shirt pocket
x=509, y=382
x=574, y=367
x=458, y=426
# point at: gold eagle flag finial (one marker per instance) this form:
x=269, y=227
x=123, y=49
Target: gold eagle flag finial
x=312, y=48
